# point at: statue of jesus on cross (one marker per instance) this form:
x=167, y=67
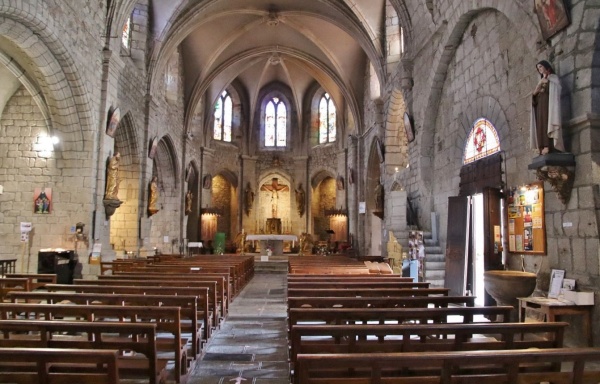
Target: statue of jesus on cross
x=274, y=188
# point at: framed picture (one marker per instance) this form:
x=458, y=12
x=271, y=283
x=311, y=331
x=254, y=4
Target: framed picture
x=42, y=200
x=340, y=183
x=153, y=147
x=552, y=15
x=408, y=128
x=114, y=117
x=207, y=181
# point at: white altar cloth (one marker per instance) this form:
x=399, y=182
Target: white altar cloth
x=272, y=241
x=272, y=237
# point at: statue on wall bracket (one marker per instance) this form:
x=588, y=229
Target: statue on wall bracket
x=111, y=195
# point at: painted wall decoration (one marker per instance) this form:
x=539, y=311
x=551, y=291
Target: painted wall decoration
x=42, y=200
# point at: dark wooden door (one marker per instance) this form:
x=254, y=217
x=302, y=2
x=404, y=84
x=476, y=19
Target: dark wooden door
x=492, y=217
x=457, y=244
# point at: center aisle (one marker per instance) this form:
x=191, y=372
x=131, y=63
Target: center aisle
x=252, y=342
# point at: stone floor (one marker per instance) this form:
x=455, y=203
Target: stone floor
x=251, y=346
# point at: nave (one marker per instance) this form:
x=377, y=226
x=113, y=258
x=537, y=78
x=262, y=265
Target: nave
x=252, y=341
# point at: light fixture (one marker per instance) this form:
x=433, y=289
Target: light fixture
x=336, y=212
x=211, y=211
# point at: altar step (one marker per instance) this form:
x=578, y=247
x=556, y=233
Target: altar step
x=271, y=266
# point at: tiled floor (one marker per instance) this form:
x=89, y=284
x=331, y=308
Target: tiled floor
x=251, y=346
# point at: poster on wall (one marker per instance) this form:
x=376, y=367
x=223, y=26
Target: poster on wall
x=525, y=211
x=42, y=200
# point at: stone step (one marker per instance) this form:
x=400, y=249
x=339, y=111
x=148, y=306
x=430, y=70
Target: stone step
x=435, y=257
x=435, y=265
x=434, y=274
x=435, y=283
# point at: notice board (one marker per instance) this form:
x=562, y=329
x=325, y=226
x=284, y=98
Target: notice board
x=525, y=219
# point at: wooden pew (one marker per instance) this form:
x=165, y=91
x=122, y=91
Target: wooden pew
x=38, y=365
x=190, y=326
x=201, y=294
x=366, y=292
x=123, y=337
x=213, y=301
x=489, y=367
x=222, y=280
x=9, y=284
x=383, y=278
x=332, y=270
x=340, y=316
x=170, y=342
x=354, y=284
x=36, y=280
x=380, y=302
x=332, y=339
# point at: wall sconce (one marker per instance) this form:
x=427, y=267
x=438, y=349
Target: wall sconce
x=558, y=169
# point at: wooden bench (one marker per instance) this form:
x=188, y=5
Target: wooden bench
x=328, y=278
x=190, y=326
x=341, y=316
x=170, y=343
x=489, y=367
x=211, y=286
x=332, y=339
x=10, y=284
x=36, y=280
x=201, y=294
x=123, y=337
x=366, y=292
x=380, y=302
x=354, y=284
x=40, y=365
x=222, y=281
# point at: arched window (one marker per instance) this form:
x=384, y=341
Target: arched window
x=126, y=35
x=275, y=123
x=327, y=120
x=481, y=142
x=223, y=118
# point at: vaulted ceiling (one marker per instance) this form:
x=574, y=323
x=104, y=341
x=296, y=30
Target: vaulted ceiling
x=256, y=42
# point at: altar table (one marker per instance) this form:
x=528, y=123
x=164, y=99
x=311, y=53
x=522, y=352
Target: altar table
x=274, y=242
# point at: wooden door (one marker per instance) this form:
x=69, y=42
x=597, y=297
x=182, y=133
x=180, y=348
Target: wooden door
x=457, y=244
x=492, y=213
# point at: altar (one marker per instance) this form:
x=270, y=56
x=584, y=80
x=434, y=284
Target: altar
x=273, y=242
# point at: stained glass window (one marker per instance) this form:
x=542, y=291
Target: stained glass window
x=481, y=142
x=223, y=118
x=327, y=119
x=275, y=123
x=126, y=36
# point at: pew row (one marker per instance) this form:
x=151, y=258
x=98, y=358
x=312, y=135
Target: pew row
x=222, y=280
x=10, y=284
x=58, y=366
x=36, y=280
x=341, y=316
x=190, y=325
x=489, y=367
x=332, y=339
x=123, y=337
x=203, y=311
x=171, y=344
x=365, y=292
x=380, y=302
x=215, y=304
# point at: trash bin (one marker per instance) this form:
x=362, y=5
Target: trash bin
x=60, y=262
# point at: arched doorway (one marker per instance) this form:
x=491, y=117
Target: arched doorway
x=474, y=233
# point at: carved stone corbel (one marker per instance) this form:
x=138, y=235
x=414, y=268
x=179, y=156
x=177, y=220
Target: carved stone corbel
x=558, y=169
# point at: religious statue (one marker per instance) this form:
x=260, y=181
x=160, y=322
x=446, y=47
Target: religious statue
x=248, y=199
x=153, y=196
x=240, y=241
x=305, y=244
x=189, y=197
x=546, y=126
x=300, y=200
x=112, y=178
x=379, y=197
x=274, y=188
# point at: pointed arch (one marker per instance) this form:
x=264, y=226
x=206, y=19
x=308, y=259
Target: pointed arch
x=166, y=167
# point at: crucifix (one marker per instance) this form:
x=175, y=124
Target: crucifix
x=274, y=188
